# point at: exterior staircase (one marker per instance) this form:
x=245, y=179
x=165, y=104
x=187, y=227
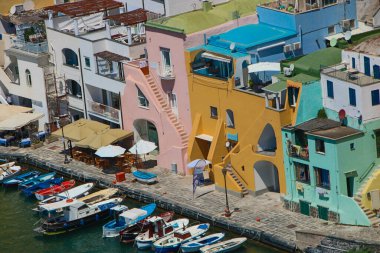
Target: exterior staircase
x=165, y=106
x=244, y=190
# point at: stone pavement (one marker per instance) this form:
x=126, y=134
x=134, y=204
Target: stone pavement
x=262, y=213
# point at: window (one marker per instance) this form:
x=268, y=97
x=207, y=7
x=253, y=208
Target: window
x=70, y=58
x=143, y=101
x=352, y=96
x=230, y=121
x=353, y=62
x=377, y=135
x=330, y=89
x=322, y=177
x=213, y=112
x=302, y=172
x=28, y=77
x=87, y=62
x=375, y=94
x=331, y=30
x=293, y=96
x=320, y=146
x=74, y=88
x=352, y=146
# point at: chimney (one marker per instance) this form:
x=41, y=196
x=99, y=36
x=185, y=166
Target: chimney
x=206, y=5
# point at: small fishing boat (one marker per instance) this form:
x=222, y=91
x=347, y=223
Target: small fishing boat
x=99, y=196
x=195, y=245
x=126, y=219
x=80, y=214
x=129, y=234
x=55, y=189
x=41, y=186
x=8, y=170
x=173, y=242
x=225, y=246
x=145, y=177
x=73, y=193
x=21, y=178
x=36, y=180
x=158, y=229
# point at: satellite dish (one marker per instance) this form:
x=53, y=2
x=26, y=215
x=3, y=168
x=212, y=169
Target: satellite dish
x=333, y=42
x=28, y=5
x=347, y=35
x=232, y=46
x=13, y=10
x=342, y=114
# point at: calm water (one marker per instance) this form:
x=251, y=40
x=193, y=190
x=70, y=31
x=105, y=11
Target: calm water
x=16, y=232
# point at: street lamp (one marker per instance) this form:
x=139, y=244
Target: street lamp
x=66, y=161
x=227, y=212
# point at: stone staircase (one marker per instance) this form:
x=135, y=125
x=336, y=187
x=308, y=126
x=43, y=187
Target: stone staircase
x=232, y=172
x=165, y=106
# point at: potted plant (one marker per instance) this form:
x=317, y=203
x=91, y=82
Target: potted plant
x=251, y=84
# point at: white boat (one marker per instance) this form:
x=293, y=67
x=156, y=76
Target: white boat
x=76, y=192
x=225, y=246
x=158, y=229
x=173, y=242
x=99, y=195
x=195, y=245
x=8, y=170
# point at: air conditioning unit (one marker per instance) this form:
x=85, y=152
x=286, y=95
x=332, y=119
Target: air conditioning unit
x=296, y=46
x=345, y=23
x=287, y=48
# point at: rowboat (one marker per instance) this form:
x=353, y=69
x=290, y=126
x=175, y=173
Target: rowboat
x=145, y=177
x=36, y=180
x=20, y=178
x=225, y=246
x=73, y=193
x=99, y=195
x=158, y=229
x=42, y=185
x=79, y=214
x=173, y=242
x=129, y=234
x=8, y=170
x=55, y=189
x=194, y=246
x=126, y=219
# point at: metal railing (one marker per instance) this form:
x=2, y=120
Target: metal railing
x=103, y=110
x=34, y=48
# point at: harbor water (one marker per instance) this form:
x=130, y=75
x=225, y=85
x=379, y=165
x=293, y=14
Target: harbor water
x=18, y=220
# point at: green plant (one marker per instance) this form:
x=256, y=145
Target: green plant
x=360, y=251
x=251, y=83
x=28, y=32
x=322, y=114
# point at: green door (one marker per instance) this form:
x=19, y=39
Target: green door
x=305, y=207
x=323, y=213
x=152, y=134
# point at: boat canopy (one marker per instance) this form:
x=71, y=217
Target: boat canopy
x=133, y=214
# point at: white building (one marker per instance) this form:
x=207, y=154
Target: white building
x=353, y=87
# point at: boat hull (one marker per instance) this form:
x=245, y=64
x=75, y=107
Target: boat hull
x=144, y=245
x=168, y=249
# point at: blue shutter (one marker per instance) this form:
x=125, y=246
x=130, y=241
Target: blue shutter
x=352, y=95
x=353, y=63
x=330, y=89
x=375, y=94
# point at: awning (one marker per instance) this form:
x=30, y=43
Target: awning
x=7, y=111
x=264, y=66
x=103, y=138
x=215, y=57
x=130, y=18
x=204, y=137
x=19, y=120
x=109, y=56
x=276, y=87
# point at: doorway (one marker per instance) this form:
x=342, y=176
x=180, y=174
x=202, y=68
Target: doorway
x=350, y=186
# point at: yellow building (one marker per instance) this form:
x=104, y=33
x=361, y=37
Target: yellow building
x=237, y=121
x=6, y=5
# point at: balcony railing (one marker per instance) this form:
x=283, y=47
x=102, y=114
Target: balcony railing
x=34, y=48
x=298, y=152
x=103, y=110
x=292, y=6
x=166, y=72
x=342, y=72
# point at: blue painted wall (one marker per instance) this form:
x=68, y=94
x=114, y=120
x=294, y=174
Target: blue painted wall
x=310, y=102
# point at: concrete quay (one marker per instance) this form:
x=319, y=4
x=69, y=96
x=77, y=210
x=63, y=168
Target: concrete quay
x=260, y=218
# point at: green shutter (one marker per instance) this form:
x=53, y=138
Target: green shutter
x=305, y=208
x=323, y=213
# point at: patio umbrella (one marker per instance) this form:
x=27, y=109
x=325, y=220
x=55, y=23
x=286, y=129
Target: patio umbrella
x=195, y=162
x=103, y=138
x=142, y=147
x=110, y=151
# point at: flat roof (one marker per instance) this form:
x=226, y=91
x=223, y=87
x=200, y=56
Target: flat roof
x=370, y=46
x=249, y=36
x=5, y=5
x=199, y=20
x=275, y=87
x=130, y=18
x=299, y=78
x=336, y=133
x=84, y=7
x=317, y=124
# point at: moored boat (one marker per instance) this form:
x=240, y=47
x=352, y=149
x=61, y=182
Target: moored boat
x=129, y=234
x=99, y=195
x=20, y=178
x=36, y=180
x=80, y=214
x=225, y=246
x=41, y=186
x=158, y=229
x=173, y=242
x=55, y=189
x=126, y=219
x=8, y=170
x=73, y=193
x=145, y=177
x=195, y=245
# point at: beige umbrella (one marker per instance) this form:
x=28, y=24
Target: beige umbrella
x=7, y=111
x=103, y=138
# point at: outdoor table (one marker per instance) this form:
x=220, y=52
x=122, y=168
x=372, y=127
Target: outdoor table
x=25, y=142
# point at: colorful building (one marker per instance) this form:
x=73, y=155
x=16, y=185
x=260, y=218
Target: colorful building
x=155, y=101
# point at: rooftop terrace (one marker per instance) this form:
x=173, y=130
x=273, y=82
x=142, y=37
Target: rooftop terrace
x=190, y=22
x=297, y=6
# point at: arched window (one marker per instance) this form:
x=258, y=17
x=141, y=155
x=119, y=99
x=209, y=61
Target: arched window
x=70, y=58
x=230, y=121
x=74, y=88
x=28, y=77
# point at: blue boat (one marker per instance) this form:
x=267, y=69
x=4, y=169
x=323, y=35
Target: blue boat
x=196, y=245
x=21, y=178
x=36, y=180
x=145, y=177
x=42, y=185
x=127, y=219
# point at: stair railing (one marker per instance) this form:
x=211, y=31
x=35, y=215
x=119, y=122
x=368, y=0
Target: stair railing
x=368, y=170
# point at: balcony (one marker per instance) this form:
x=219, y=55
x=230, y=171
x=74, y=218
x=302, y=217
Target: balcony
x=342, y=72
x=103, y=111
x=30, y=47
x=166, y=72
x=298, y=152
x=294, y=6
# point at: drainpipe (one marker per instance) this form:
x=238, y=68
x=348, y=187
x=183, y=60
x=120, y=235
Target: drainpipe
x=83, y=85
x=121, y=112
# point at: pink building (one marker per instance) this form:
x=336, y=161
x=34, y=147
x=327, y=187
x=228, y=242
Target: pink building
x=155, y=102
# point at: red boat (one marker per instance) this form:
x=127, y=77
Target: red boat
x=55, y=189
